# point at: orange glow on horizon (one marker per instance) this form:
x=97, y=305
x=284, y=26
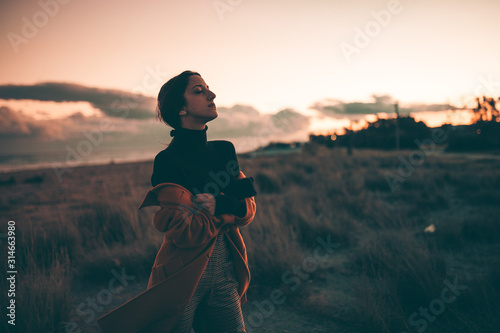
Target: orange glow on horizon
x=429, y=118
x=437, y=119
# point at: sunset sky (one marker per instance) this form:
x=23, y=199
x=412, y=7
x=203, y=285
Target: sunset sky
x=263, y=55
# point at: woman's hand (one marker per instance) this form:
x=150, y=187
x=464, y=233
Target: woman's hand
x=206, y=201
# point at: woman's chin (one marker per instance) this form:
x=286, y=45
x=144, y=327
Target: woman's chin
x=213, y=116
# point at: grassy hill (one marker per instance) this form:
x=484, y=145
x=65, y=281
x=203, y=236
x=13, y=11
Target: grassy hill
x=382, y=272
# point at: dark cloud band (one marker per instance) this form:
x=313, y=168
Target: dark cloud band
x=381, y=104
x=114, y=103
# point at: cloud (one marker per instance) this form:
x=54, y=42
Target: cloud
x=431, y=107
x=19, y=125
x=16, y=125
x=238, y=116
x=238, y=121
x=336, y=108
x=381, y=104
x=289, y=120
x=246, y=121
x=239, y=109
x=249, y=129
x=112, y=102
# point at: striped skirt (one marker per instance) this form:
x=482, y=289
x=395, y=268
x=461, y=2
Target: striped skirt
x=215, y=305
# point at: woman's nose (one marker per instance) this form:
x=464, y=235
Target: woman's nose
x=211, y=95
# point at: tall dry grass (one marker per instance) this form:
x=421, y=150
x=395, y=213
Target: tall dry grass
x=72, y=234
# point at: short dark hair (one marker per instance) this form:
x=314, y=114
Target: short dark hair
x=171, y=99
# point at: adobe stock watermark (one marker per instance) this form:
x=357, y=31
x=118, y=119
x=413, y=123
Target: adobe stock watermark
x=492, y=87
x=223, y=6
x=294, y=277
x=30, y=28
x=416, y=158
x=427, y=315
x=121, y=107
x=94, y=305
x=364, y=36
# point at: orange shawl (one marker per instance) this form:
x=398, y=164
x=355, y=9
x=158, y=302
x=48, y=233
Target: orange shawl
x=189, y=239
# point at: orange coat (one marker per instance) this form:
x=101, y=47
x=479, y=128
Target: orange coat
x=190, y=234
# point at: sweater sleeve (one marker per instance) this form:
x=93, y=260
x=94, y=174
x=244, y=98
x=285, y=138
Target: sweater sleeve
x=230, y=201
x=227, y=204
x=232, y=164
x=250, y=208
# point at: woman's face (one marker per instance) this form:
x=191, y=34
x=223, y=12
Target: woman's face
x=199, y=100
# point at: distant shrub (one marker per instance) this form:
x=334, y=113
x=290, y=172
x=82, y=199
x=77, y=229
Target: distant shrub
x=483, y=135
x=293, y=177
x=309, y=169
x=10, y=181
x=37, y=179
x=311, y=148
x=267, y=183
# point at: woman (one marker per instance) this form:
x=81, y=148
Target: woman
x=200, y=275
x=220, y=200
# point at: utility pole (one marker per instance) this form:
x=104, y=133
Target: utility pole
x=396, y=107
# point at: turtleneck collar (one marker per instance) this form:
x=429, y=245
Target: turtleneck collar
x=189, y=138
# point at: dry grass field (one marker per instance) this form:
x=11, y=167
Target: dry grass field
x=344, y=251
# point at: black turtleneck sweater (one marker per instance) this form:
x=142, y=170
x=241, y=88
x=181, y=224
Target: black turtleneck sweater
x=200, y=166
